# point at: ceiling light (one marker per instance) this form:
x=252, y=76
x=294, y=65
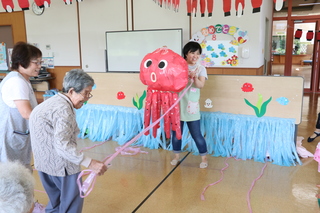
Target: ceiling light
x=308, y=4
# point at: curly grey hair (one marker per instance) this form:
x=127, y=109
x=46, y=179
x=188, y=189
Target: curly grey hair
x=16, y=188
x=76, y=79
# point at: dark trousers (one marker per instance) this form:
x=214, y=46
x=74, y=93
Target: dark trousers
x=194, y=129
x=63, y=193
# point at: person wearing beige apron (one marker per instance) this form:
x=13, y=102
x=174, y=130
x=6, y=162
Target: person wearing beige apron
x=17, y=100
x=189, y=104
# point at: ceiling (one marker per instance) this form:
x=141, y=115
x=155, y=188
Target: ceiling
x=301, y=5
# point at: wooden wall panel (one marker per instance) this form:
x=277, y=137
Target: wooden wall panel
x=58, y=73
x=296, y=59
x=235, y=71
x=224, y=92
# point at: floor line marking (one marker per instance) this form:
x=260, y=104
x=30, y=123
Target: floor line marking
x=159, y=184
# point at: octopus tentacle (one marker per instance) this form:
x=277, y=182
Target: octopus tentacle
x=155, y=114
x=165, y=106
x=176, y=117
x=147, y=110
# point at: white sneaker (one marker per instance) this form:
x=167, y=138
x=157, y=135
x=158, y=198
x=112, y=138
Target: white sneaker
x=174, y=162
x=203, y=165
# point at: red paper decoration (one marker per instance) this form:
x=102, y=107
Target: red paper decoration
x=237, y=3
x=210, y=7
x=298, y=34
x=43, y=3
x=226, y=7
x=24, y=4
x=191, y=6
x=256, y=4
x=7, y=5
x=310, y=35
x=318, y=36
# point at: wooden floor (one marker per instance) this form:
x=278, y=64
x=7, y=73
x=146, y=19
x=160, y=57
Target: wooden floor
x=148, y=183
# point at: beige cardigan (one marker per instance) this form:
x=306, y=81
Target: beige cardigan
x=54, y=130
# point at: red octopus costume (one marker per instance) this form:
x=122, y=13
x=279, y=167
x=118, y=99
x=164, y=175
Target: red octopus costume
x=166, y=74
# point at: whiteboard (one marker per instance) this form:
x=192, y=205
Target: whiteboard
x=126, y=49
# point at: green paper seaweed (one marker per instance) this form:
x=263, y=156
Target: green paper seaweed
x=261, y=108
x=138, y=102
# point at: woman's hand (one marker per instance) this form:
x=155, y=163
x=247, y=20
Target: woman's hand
x=192, y=75
x=98, y=167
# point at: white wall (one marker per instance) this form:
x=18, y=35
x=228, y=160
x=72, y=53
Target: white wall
x=149, y=15
x=97, y=17
x=58, y=27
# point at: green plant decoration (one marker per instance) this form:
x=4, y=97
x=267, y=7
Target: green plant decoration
x=260, y=108
x=138, y=102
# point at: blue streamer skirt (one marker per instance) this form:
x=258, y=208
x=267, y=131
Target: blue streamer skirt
x=227, y=135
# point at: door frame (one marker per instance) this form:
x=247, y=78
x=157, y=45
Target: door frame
x=314, y=78
x=17, y=22
x=315, y=75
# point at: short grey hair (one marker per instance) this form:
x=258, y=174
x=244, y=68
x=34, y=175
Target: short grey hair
x=76, y=79
x=16, y=188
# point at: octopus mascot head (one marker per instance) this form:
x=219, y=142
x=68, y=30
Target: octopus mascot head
x=165, y=73
x=164, y=70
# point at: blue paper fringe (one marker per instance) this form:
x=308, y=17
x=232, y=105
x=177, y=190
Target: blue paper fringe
x=227, y=135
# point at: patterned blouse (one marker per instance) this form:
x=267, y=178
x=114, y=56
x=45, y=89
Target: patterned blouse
x=54, y=130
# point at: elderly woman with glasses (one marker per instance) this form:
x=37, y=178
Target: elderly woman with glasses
x=17, y=100
x=54, y=131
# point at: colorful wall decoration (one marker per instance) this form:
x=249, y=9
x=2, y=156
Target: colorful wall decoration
x=220, y=53
x=3, y=57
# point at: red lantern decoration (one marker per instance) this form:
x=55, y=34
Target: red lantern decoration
x=298, y=34
x=318, y=36
x=310, y=35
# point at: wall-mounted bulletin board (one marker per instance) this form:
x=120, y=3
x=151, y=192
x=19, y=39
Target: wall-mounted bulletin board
x=126, y=49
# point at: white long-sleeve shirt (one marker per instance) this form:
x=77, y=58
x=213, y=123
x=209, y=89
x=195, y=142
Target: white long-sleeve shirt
x=54, y=130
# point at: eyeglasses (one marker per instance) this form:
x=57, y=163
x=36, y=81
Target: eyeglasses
x=88, y=95
x=38, y=63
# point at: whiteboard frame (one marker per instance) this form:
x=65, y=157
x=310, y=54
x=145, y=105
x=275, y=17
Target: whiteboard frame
x=147, y=49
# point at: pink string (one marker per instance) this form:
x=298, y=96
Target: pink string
x=131, y=151
x=36, y=190
x=86, y=187
x=222, y=174
x=91, y=147
x=252, y=185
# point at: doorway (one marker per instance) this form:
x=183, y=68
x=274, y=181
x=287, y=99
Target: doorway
x=304, y=54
